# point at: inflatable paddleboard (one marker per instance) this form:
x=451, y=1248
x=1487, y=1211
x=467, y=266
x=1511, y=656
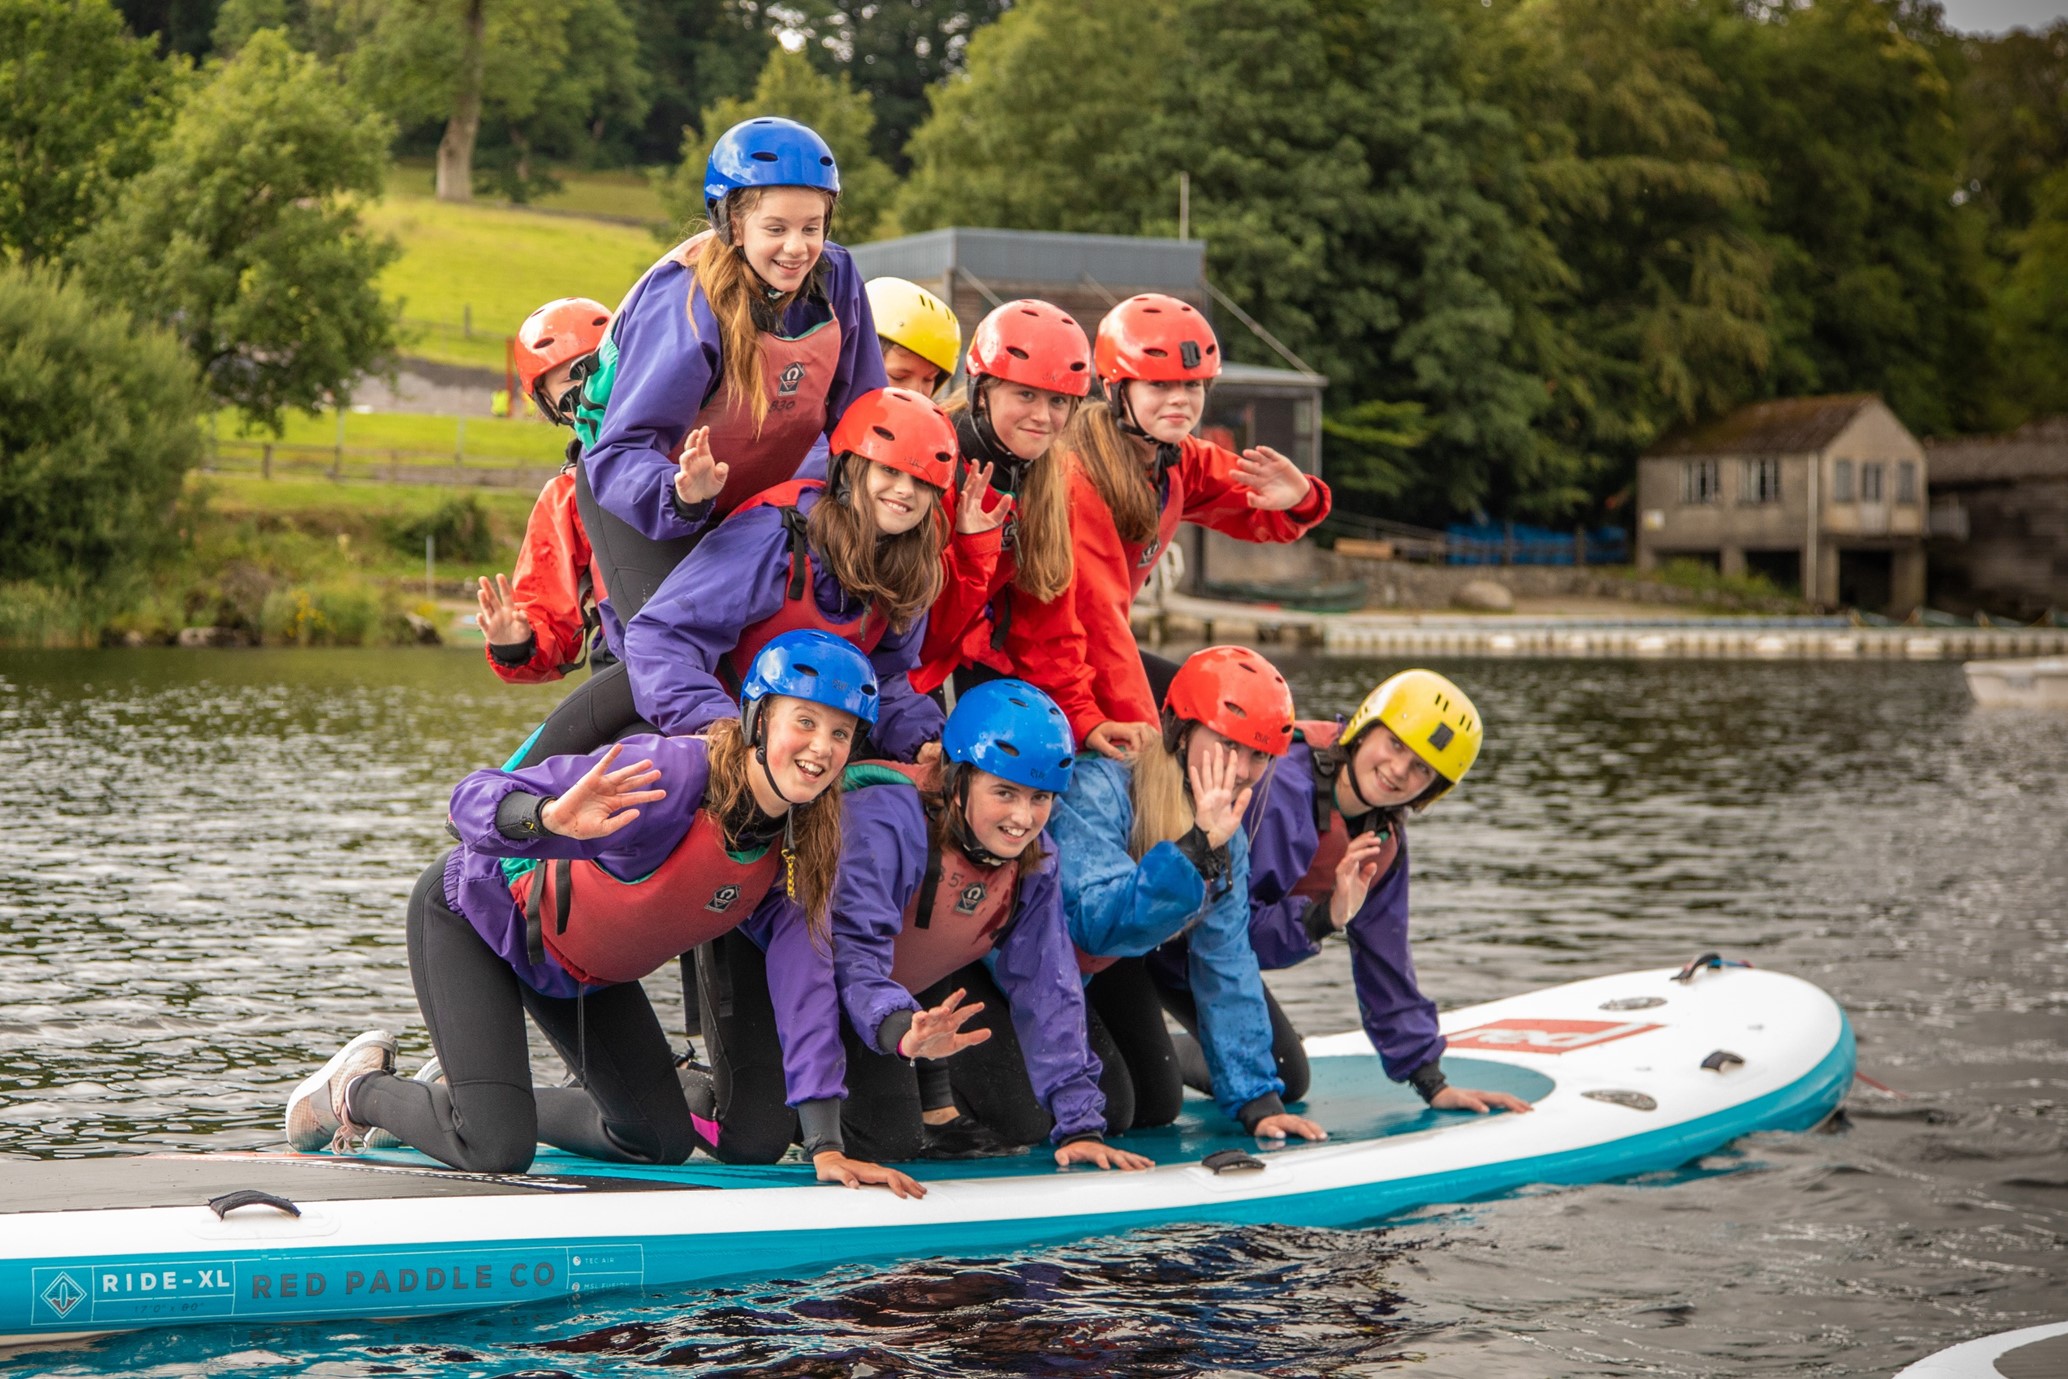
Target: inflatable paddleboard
x=1628, y=1074
x=2037, y=1352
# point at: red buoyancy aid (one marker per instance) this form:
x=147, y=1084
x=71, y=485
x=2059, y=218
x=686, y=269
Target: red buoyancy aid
x=1330, y=829
x=603, y=930
x=960, y=910
x=800, y=607
x=796, y=375
x=1167, y=522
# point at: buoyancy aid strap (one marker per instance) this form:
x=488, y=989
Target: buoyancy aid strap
x=1001, y=617
x=561, y=873
x=800, y=549
x=923, y=918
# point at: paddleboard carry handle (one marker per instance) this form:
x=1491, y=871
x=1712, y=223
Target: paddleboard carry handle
x=1720, y=1060
x=1231, y=1161
x=1708, y=962
x=249, y=1197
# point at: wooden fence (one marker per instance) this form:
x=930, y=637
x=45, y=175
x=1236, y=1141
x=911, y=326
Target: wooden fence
x=380, y=465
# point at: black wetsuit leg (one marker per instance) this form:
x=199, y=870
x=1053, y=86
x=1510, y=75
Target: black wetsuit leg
x=880, y=1118
x=1287, y=1050
x=485, y=1116
x=990, y=1079
x=1124, y=997
x=595, y=713
x=633, y=564
x=740, y=1099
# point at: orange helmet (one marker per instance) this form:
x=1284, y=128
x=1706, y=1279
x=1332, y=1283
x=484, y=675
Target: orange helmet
x=1033, y=343
x=1157, y=339
x=902, y=429
x=557, y=332
x=1238, y=694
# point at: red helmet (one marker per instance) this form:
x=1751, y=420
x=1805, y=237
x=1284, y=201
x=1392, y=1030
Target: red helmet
x=1157, y=339
x=556, y=333
x=1238, y=694
x=1034, y=343
x=902, y=429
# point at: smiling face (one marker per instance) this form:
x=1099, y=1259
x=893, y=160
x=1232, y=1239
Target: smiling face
x=1026, y=419
x=1006, y=817
x=1250, y=762
x=807, y=748
x=895, y=501
x=783, y=233
x=1167, y=411
x=1387, y=771
x=904, y=369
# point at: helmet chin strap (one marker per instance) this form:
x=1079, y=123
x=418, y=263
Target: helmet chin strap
x=1166, y=452
x=963, y=833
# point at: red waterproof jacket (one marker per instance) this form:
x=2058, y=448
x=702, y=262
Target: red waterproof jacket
x=556, y=586
x=1081, y=647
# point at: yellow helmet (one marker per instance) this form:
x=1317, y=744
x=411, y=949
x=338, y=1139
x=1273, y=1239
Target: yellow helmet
x=1429, y=714
x=907, y=314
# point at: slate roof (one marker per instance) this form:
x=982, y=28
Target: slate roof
x=2036, y=451
x=1791, y=426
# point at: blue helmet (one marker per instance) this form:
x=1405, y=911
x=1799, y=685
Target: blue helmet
x=767, y=152
x=811, y=665
x=1015, y=732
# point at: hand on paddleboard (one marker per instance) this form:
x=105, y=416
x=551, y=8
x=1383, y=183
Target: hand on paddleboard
x=499, y=619
x=1354, y=877
x=1102, y=1154
x=1275, y=482
x=700, y=474
x=1469, y=1099
x=937, y=1033
x=1286, y=1123
x=970, y=517
x=603, y=801
x=1216, y=806
x=1119, y=741
x=832, y=1166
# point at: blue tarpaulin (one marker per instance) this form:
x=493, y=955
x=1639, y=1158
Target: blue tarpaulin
x=1491, y=543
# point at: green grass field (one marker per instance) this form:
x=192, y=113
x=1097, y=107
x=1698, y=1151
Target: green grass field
x=436, y=439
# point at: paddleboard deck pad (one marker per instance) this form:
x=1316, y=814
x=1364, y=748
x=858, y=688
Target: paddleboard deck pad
x=1628, y=1074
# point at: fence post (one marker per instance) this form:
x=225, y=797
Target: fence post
x=266, y=461
x=337, y=457
x=467, y=321
x=430, y=562
x=459, y=445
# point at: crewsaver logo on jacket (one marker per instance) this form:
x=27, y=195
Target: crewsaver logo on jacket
x=1149, y=554
x=722, y=899
x=791, y=376
x=972, y=896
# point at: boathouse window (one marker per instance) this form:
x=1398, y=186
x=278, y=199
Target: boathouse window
x=1870, y=483
x=1762, y=481
x=1906, y=481
x=1842, y=481
x=1701, y=481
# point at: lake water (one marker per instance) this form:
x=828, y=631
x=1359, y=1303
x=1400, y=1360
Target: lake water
x=211, y=851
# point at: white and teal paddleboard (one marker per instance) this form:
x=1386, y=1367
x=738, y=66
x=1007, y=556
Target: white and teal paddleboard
x=1629, y=1074
x=2037, y=1352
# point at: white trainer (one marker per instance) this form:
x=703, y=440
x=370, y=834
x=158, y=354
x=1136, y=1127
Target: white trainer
x=315, y=1112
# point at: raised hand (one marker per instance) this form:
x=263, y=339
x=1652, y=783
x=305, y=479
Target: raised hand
x=937, y=1033
x=1217, y=806
x=1355, y=875
x=832, y=1166
x=603, y=801
x=1285, y=1123
x=1119, y=741
x=970, y=517
x=1101, y=1154
x=499, y=618
x=1275, y=482
x=699, y=475
x=1467, y=1099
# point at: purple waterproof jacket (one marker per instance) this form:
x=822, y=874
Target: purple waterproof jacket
x=733, y=580
x=883, y=859
x=800, y=974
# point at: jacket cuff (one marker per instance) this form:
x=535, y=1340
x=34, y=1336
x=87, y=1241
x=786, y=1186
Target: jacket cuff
x=1314, y=506
x=1428, y=1080
x=1260, y=1110
x=520, y=816
x=515, y=654
x=696, y=514
x=1092, y=1135
x=819, y=1125
x=1211, y=862
x=1316, y=922
x=892, y=1030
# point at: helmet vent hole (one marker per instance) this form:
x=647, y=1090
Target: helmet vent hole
x=764, y=156
x=824, y=161
x=1077, y=366
x=803, y=669
x=1154, y=353
x=1017, y=703
x=1016, y=352
x=1007, y=748
x=886, y=434
x=1232, y=707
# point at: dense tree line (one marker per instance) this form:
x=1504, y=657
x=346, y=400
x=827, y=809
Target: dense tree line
x=1523, y=238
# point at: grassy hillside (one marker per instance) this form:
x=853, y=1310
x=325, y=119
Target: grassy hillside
x=419, y=438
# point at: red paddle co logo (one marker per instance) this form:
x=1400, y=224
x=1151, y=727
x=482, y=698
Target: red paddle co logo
x=1546, y=1036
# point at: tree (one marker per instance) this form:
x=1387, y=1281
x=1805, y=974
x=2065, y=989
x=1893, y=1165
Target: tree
x=99, y=423
x=894, y=50
x=2032, y=306
x=791, y=87
x=2014, y=118
x=509, y=62
x=243, y=238
x=80, y=102
x=696, y=52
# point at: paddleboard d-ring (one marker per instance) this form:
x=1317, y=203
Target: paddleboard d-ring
x=1231, y=1161
x=1708, y=962
x=250, y=1197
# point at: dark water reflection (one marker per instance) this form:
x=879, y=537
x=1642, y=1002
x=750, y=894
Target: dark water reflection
x=212, y=851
